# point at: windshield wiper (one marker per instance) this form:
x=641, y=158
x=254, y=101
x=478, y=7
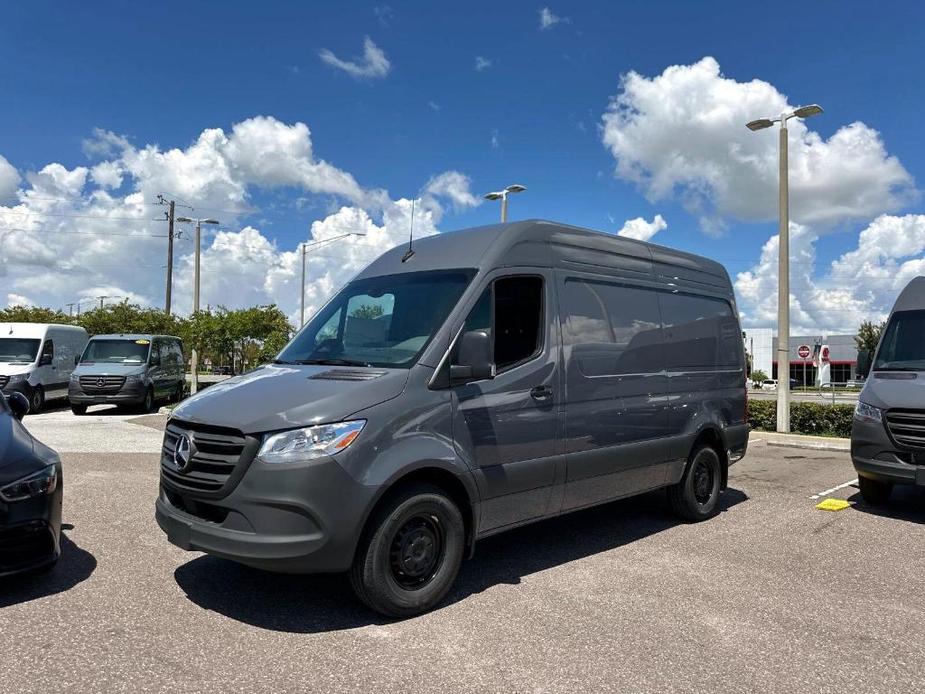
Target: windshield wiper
x=282, y=361
x=332, y=362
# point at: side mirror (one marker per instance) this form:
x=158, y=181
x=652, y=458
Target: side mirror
x=45, y=360
x=474, y=357
x=76, y=359
x=863, y=367
x=154, y=361
x=19, y=403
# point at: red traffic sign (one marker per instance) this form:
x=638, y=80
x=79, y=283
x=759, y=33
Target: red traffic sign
x=804, y=351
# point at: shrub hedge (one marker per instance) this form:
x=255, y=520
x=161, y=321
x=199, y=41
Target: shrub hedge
x=805, y=417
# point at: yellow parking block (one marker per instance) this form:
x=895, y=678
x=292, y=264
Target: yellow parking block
x=833, y=505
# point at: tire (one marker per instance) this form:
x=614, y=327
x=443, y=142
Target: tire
x=147, y=405
x=696, y=496
x=874, y=492
x=410, y=553
x=36, y=400
x=178, y=394
x=79, y=410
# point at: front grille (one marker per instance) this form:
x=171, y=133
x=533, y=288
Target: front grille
x=219, y=457
x=3, y=381
x=25, y=545
x=104, y=385
x=907, y=427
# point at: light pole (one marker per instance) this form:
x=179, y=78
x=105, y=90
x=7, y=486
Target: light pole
x=303, y=247
x=783, y=261
x=194, y=357
x=502, y=196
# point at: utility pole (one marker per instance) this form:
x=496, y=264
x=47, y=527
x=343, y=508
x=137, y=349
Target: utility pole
x=194, y=356
x=170, y=215
x=70, y=309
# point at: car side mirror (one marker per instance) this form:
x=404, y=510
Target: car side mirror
x=473, y=361
x=864, y=359
x=45, y=360
x=76, y=359
x=19, y=403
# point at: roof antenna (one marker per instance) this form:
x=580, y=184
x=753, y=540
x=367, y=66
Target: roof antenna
x=410, y=252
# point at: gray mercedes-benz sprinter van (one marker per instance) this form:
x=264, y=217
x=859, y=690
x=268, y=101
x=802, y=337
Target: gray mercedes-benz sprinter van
x=134, y=371
x=888, y=431
x=494, y=377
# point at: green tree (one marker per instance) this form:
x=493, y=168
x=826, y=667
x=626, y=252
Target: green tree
x=868, y=336
x=33, y=314
x=367, y=311
x=758, y=376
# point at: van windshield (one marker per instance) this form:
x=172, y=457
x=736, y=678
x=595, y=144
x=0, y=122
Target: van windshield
x=18, y=350
x=383, y=321
x=902, y=347
x=116, y=352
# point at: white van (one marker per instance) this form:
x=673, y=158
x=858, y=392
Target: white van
x=37, y=359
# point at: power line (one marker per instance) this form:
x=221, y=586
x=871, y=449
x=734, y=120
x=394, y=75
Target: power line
x=85, y=216
x=84, y=233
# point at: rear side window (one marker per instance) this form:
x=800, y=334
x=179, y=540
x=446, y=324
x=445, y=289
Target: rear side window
x=611, y=329
x=700, y=332
x=511, y=311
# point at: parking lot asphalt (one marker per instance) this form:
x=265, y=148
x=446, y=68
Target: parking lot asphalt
x=771, y=595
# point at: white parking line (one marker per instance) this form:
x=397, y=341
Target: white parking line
x=834, y=489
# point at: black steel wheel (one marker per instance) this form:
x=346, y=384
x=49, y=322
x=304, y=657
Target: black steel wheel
x=36, y=400
x=696, y=496
x=410, y=552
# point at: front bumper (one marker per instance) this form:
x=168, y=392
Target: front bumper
x=130, y=393
x=302, y=518
x=30, y=532
x=875, y=456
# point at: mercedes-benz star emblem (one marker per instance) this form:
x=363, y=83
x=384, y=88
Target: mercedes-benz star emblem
x=100, y=382
x=183, y=453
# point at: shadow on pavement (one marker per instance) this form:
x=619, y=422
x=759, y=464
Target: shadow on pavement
x=74, y=566
x=907, y=503
x=319, y=603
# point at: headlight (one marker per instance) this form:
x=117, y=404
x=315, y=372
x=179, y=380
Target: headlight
x=301, y=445
x=74, y=378
x=133, y=378
x=42, y=482
x=867, y=413
x=19, y=378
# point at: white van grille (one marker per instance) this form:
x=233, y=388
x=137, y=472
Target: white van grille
x=907, y=427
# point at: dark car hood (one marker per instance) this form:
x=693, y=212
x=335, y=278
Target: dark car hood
x=278, y=396
x=895, y=389
x=20, y=454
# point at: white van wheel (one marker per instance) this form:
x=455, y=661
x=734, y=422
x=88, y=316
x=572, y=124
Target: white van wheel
x=36, y=400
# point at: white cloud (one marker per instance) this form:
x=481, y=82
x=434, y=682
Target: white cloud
x=481, y=63
x=861, y=284
x=548, y=20
x=434, y=106
x=9, y=180
x=69, y=234
x=373, y=63
x=495, y=143
x=642, y=230
x=682, y=135
x=18, y=300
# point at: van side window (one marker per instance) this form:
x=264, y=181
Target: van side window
x=701, y=332
x=611, y=329
x=155, y=353
x=511, y=311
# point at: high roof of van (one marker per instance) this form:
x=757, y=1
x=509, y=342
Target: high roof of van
x=541, y=243
x=36, y=330
x=132, y=336
x=912, y=297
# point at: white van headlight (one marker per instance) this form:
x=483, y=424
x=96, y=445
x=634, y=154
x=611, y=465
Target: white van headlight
x=868, y=413
x=19, y=378
x=301, y=445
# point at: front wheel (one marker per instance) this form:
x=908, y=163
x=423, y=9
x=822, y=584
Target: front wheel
x=79, y=410
x=148, y=403
x=36, y=400
x=875, y=492
x=411, y=553
x=696, y=496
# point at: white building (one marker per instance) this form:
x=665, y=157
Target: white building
x=759, y=343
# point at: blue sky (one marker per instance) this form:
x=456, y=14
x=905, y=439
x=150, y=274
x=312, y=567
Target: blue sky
x=162, y=74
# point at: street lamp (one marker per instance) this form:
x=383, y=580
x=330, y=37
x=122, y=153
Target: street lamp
x=783, y=261
x=502, y=196
x=304, y=248
x=194, y=357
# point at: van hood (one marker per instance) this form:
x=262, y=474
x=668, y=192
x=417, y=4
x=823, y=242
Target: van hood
x=101, y=368
x=13, y=368
x=282, y=396
x=895, y=389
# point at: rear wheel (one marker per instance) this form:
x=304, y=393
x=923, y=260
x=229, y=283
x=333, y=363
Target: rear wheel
x=696, y=496
x=875, y=492
x=79, y=410
x=410, y=554
x=36, y=400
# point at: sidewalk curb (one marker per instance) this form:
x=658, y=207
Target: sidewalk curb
x=813, y=443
